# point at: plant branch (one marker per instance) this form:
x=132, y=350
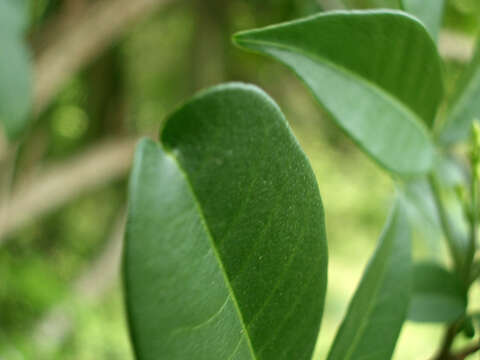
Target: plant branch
x=78, y=42
x=3, y=143
x=473, y=210
x=475, y=273
x=463, y=354
x=445, y=222
x=62, y=182
x=449, y=337
x=472, y=243
x=456, y=46
x=68, y=45
x=7, y=168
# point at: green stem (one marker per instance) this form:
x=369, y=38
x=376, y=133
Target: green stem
x=463, y=354
x=445, y=222
x=449, y=337
x=475, y=273
x=472, y=244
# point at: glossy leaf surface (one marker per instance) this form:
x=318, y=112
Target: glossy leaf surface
x=15, y=71
x=437, y=295
x=359, y=66
x=225, y=254
x=430, y=12
x=465, y=106
x=379, y=306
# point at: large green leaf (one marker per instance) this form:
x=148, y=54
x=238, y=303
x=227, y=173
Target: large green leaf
x=465, y=107
x=430, y=12
x=225, y=254
x=437, y=295
x=15, y=70
x=379, y=306
x=377, y=73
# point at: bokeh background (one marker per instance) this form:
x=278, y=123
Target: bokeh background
x=107, y=72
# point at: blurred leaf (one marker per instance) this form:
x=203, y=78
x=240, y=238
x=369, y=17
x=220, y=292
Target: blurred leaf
x=468, y=328
x=430, y=12
x=475, y=317
x=437, y=295
x=420, y=206
x=359, y=67
x=475, y=270
x=225, y=243
x=308, y=7
x=379, y=306
x=15, y=71
x=451, y=171
x=465, y=106
x=467, y=6
x=423, y=214
x=386, y=4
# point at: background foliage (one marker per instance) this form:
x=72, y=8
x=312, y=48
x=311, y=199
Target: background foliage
x=65, y=176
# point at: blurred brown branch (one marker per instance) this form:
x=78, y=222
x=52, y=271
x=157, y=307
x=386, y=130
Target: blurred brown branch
x=60, y=183
x=75, y=43
x=65, y=46
x=90, y=287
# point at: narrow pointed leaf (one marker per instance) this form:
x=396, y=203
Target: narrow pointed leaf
x=359, y=66
x=379, y=306
x=437, y=295
x=225, y=254
x=465, y=106
x=430, y=12
x=15, y=70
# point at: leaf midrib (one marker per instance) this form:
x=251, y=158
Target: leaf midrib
x=204, y=223
x=371, y=304
x=418, y=121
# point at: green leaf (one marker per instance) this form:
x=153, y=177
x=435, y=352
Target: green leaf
x=225, y=254
x=422, y=212
x=437, y=295
x=467, y=6
x=379, y=306
x=420, y=203
x=465, y=106
x=359, y=66
x=15, y=71
x=430, y=12
x=475, y=318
